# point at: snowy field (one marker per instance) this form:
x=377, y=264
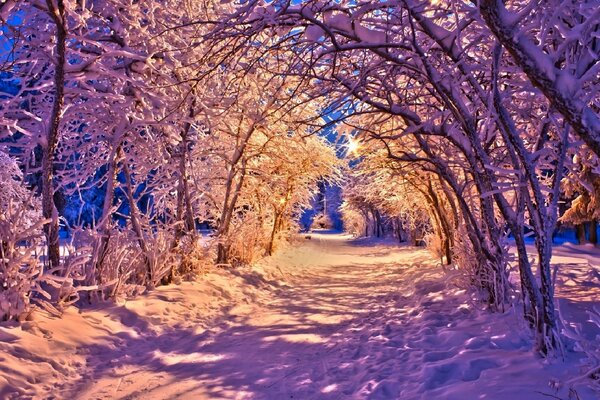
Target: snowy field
x=327, y=318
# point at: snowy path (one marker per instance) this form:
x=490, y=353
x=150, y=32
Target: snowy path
x=353, y=320
x=310, y=339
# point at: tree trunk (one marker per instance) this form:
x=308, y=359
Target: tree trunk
x=398, y=226
x=276, y=224
x=367, y=221
x=446, y=236
x=548, y=338
x=49, y=212
x=229, y=204
x=104, y=226
x=223, y=253
x=135, y=222
x=378, y=223
x=580, y=233
x=593, y=225
x=530, y=291
x=184, y=214
x=190, y=225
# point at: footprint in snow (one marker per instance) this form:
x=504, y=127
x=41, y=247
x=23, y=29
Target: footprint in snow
x=476, y=367
x=433, y=356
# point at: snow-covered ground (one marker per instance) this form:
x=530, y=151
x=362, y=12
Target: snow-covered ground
x=327, y=318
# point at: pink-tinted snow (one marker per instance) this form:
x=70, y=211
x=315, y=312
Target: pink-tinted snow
x=327, y=318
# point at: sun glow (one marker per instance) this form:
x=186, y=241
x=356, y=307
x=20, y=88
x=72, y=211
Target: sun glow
x=353, y=146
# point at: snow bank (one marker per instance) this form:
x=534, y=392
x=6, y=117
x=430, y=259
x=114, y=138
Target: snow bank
x=329, y=317
x=89, y=351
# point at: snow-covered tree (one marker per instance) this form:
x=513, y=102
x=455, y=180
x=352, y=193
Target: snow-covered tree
x=435, y=79
x=20, y=233
x=556, y=44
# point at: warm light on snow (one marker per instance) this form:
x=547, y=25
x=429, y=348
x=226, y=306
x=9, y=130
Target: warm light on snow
x=329, y=388
x=174, y=341
x=297, y=338
x=309, y=199
x=176, y=358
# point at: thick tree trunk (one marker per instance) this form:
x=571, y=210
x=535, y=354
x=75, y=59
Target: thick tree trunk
x=183, y=214
x=229, y=204
x=135, y=222
x=223, y=253
x=367, y=221
x=51, y=228
x=580, y=233
x=374, y=225
x=593, y=225
x=532, y=298
x=180, y=227
x=446, y=235
x=105, y=222
x=548, y=339
x=378, y=223
x=276, y=226
x=398, y=229
x=190, y=225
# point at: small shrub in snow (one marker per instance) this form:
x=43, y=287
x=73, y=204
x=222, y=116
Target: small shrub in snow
x=248, y=240
x=119, y=268
x=119, y=271
x=20, y=234
x=193, y=257
x=20, y=269
x=160, y=256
